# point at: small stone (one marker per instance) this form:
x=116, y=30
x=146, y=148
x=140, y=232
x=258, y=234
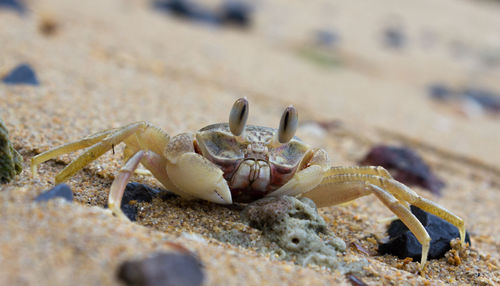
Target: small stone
x=326, y=38
x=162, y=269
x=139, y=193
x=187, y=9
x=130, y=211
x=10, y=159
x=59, y=191
x=440, y=92
x=394, y=37
x=405, y=166
x=22, y=74
x=15, y=5
x=487, y=99
x=403, y=243
x=236, y=13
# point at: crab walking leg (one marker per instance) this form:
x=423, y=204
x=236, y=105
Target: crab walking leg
x=333, y=193
x=98, y=149
x=360, y=170
x=120, y=182
x=67, y=148
x=403, y=194
x=408, y=218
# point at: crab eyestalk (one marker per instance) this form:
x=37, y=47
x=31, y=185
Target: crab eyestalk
x=288, y=124
x=238, y=116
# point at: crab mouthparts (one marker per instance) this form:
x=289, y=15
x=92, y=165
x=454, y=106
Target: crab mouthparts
x=252, y=175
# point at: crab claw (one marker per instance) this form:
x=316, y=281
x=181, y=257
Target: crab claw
x=199, y=178
x=220, y=195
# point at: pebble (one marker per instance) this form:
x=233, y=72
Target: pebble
x=326, y=38
x=405, y=165
x=403, y=243
x=394, y=37
x=59, y=191
x=139, y=193
x=236, y=13
x=485, y=99
x=15, y=5
x=162, y=269
x=233, y=12
x=22, y=74
x=440, y=91
x=187, y=9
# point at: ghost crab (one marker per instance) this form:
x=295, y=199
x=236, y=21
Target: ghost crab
x=233, y=161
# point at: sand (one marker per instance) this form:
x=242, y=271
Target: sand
x=108, y=63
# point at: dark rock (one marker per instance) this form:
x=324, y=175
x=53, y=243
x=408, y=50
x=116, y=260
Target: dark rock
x=405, y=166
x=130, y=211
x=236, y=13
x=48, y=26
x=163, y=269
x=394, y=37
x=15, y=5
x=296, y=227
x=138, y=193
x=233, y=12
x=440, y=92
x=326, y=38
x=187, y=9
x=59, y=191
x=10, y=159
x=403, y=242
x=22, y=74
x=487, y=99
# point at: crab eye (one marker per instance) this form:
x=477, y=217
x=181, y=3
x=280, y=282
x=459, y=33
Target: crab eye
x=288, y=124
x=238, y=116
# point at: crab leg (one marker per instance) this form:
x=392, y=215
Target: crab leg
x=346, y=191
x=330, y=192
x=67, y=148
x=360, y=170
x=120, y=182
x=98, y=149
x=404, y=194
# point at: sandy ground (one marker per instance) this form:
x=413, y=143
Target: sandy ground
x=110, y=63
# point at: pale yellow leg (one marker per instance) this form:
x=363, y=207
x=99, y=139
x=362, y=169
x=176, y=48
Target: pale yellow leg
x=403, y=194
x=120, y=182
x=67, y=148
x=340, y=187
x=359, y=170
x=333, y=193
x=98, y=149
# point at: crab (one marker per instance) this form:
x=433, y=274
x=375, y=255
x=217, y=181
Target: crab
x=234, y=162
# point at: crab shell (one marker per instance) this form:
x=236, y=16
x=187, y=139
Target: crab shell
x=254, y=163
